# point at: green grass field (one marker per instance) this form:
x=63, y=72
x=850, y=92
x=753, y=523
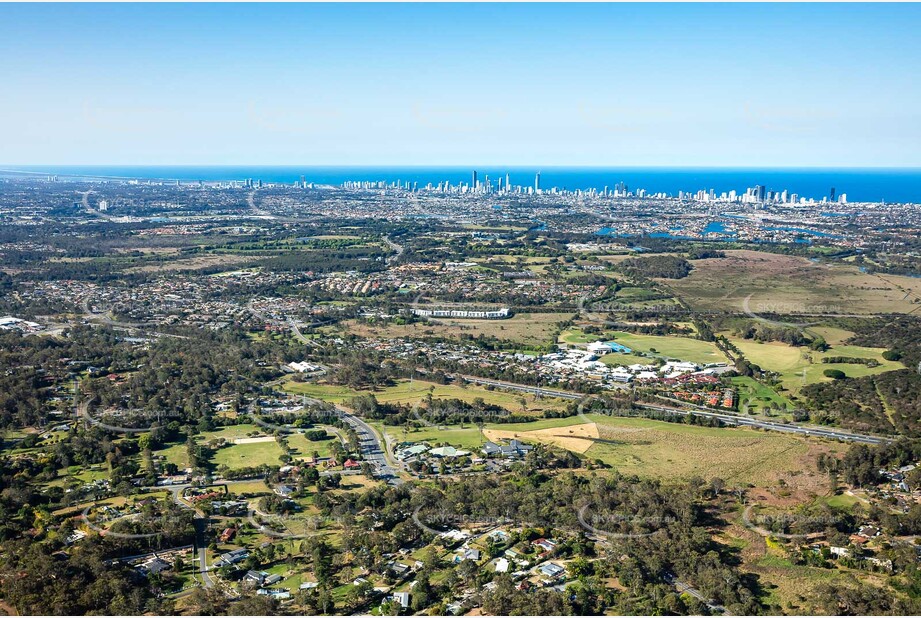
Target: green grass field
x=232, y=432
x=467, y=437
x=832, y=336
x=791, y=362
x=248, y=455
x=176, y=454
x=842, y=501
x=252, y=487
x=410, y=393
x=658, y=449
x=305, y=447
x=681, y=348
x=650, y=448
x=670, y=450
x=577, y=336
x=754, y=396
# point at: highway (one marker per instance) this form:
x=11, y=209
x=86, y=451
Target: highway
x=90, y=209
x=729, y=419
x=395, y=247
x=251, y=202
x=371, y=447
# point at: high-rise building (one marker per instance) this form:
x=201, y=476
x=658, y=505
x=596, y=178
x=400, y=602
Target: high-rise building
x=831, y=195
x=537, y=182
x=474, y=180
x=508, y=185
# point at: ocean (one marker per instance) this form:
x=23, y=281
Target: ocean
x=860, y=184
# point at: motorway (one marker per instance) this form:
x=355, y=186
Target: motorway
x=396, y=247
x=729, y=419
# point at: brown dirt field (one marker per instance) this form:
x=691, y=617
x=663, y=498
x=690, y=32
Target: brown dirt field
x=195, y=263
x=790, y=284
x=575, y=438
x=524, y=329
x=800, y=486
x=614, y=584
x=616, y=259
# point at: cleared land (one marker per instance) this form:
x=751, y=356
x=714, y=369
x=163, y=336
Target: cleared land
x=466, y=437
x=575, y=438
x=195, y=263
x=175, y=454
x=233, y=432
x=248, y=455
x=789, y=285
x=305, y=448
x=791, y=362
x=407, y=392
x=470, y=437
x=521, y=330
x=831, y=335
x=754, y=396
x=658, y=449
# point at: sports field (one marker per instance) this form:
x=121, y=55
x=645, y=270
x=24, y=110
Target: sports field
x=680, y=348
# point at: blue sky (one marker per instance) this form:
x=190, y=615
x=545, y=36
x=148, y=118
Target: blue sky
x=516, y=84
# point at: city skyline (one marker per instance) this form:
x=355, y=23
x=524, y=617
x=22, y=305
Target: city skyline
x=511, y=85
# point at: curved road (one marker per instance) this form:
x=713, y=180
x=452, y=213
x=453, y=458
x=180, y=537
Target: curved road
x=396, y=247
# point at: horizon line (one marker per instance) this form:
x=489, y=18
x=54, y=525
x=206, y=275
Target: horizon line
x=10, y=167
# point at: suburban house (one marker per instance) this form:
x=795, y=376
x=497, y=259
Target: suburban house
x=545, y=544
x=402, y=598
x=232, y=557
x=155, y=566
x=255, y=577
x=551, y=570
